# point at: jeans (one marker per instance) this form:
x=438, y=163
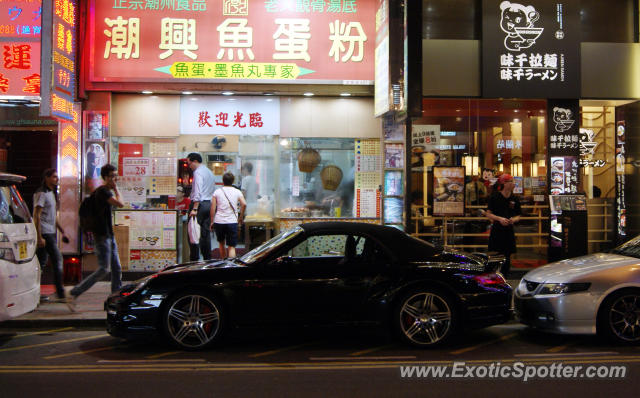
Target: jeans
x=50, y=249
x=203, y=217
x=108, y=260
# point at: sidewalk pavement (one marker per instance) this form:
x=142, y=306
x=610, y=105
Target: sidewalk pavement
x=90, y=308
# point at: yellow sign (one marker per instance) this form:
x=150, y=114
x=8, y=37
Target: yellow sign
x=236, y=70
x=22, y=250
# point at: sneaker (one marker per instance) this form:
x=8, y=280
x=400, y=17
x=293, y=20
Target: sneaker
x=71, y=302
x=55, y=299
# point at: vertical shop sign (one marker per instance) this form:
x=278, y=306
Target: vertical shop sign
x=20, y=32
x=69, y=170
x=382, y=102
x=621, y=205
x=531, y=49
x=563, y=145
x=60, y=19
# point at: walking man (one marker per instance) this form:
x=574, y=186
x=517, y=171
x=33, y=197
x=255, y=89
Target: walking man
x=106, y=196
x=201, y=194
x=45, y=207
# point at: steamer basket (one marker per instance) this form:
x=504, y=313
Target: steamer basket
x=308, y=159
x=331, y=176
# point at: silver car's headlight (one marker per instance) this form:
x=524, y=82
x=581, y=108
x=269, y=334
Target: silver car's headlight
x=563, y=288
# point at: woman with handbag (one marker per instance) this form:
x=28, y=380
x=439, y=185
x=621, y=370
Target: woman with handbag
x=225, y=217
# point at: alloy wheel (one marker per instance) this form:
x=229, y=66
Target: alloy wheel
x=624, y=318
x=193, y=321
x=425, y=318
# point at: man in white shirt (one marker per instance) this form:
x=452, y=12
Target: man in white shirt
x=201, y=194
x=227, y=212
x=249, y=187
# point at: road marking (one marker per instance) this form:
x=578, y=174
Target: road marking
x=135, y=361
x=360, y=358
x=24, y=347
x=486, y=343
x=569, y=355
x=283, y=349
x=162, y=354
x=69, y=354
x=370, y=350
x=238, y=367
x=564, y=346
x=42, y=332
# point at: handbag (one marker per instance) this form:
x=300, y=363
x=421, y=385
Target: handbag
x=193, y=229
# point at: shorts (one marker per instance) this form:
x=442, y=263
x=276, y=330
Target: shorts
x=227, y=233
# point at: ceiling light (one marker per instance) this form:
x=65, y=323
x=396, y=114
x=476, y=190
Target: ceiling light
x=516, y=111
x=345, y=94
x=187, y=92
x=269, y=93
x=227, y=93
x=308, y=94
x=147, y=92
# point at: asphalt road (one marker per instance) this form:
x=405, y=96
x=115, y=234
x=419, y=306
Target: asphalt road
x=342, y=362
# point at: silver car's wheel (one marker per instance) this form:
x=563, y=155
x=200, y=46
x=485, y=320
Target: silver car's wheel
x=623, y=317
x=192, y=320
x=425, y=318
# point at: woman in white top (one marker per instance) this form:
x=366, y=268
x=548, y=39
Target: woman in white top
x=224, y=215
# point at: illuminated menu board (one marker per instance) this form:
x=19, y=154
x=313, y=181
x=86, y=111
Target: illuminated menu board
x=276, y=41
x=20, y=31
x=63, y=58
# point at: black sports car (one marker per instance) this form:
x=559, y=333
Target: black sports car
x=326, y=272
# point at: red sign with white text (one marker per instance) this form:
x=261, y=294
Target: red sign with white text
x=20, y=31
x=250, y=41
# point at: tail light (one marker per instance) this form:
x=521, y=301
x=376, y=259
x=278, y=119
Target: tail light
x=490, y=279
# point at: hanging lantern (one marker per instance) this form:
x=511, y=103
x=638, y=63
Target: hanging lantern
x=308, y=159
x=331, y=176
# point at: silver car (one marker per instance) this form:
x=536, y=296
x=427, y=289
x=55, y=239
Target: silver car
x=598, y=293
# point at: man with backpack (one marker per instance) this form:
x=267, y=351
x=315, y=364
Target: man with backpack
x=95, y=217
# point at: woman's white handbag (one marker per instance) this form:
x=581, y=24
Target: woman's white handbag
x=193, y=229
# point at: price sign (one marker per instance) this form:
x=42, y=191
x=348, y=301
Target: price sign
x=139, y=167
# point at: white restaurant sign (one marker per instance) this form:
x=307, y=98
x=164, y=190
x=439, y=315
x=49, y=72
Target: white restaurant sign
x=225, y=115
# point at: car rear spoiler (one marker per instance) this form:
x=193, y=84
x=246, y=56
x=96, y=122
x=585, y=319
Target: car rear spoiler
x=492, y=261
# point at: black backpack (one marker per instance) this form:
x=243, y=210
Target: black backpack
x=88, y=213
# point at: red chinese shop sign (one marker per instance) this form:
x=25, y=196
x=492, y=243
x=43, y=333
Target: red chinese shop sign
x=20, y=48
x=274, y=41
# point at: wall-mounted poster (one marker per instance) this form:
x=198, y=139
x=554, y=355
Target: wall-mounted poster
x=564, y=175
x=448, y=191
x=95, y=158
x=393, y=156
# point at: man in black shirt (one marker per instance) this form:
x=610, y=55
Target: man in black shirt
x=106, y=196
x=504, y=210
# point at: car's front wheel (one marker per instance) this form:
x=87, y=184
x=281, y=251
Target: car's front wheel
x=619, y=317
x=193, y=320
x=426, y=317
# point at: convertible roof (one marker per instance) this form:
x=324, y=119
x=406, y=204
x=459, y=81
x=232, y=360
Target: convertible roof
x=380, y=231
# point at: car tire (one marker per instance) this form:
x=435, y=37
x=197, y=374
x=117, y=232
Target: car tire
x=426, y=317
x=193, y=320
x=619, y=317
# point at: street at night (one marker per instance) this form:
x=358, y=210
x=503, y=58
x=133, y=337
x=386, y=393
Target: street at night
x=76, y=362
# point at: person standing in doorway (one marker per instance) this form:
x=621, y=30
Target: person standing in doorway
x=249, y=187
x=504, y=210
x=106, y=196
x=201, y=194
x=224, y=215
x=45, y=207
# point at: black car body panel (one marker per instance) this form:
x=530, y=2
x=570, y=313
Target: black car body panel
x=353, y=287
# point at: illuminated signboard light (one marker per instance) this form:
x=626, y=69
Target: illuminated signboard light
x=447, y=134
x=64, y=71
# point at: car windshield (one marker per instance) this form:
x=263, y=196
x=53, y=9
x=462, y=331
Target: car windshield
x=630, y=248
x=263, y=250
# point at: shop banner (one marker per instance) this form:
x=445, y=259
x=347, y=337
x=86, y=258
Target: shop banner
x=221, y=41
x=224, y=115
x=531, y=49
x=448, y=191
x=621, y=202
x=563, y=145
x=20, y=32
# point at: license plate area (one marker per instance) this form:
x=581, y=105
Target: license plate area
x=22, y=250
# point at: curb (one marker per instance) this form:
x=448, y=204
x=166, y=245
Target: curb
x=38, y=323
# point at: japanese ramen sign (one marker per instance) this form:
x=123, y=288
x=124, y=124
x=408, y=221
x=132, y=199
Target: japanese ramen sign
x=531, y=49
x=275, y=41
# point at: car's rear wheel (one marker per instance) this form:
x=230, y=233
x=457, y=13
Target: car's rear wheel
x=193, y=320
x=426, y=317
x=619, y=318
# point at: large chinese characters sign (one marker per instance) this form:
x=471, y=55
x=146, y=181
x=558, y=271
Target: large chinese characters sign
x=276, y=41
x=20, y=48
x=530, y=49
